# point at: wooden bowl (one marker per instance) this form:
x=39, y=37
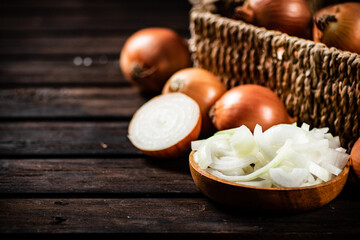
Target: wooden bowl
x=294, y=199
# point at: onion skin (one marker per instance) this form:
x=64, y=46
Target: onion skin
x=288, y=16
x=249, y=105
x=151, y=55
x=202, y=86
x=339, y=26
x=180, y=148
x=355, y=159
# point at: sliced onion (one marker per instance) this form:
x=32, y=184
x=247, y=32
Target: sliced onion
x=242, y=141
x=259, y=183
x=264, y=147
x=284, y=155
x=195, y=145
x=273, y=163
x=165, y=126
x=222, y=165
x=294, y=178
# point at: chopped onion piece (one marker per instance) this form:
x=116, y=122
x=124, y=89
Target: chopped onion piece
x=305, y=126
x=312, y=146
x=294, y=178
x=273, y=163
x=242, y=141
x=334, y=142
x=235, y=163
x=336, y=158
x=195, y=145
x=259, y=183
x=340, y=149
x=264, y=147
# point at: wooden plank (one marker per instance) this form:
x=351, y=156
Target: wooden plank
x=104, y=70
x=65, y=139
x=52, y=103
x=96, y=177
x=77, y=4
x=93, y=17
x=173, y=216
x=75, y=46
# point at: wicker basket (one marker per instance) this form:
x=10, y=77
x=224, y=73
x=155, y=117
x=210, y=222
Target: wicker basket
x=319, y=85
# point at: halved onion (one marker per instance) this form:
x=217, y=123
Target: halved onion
x=165, y=125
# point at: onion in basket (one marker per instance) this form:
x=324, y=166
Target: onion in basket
x=283, y=156
x=165, y=125
x=289, y=16
x=339, y=26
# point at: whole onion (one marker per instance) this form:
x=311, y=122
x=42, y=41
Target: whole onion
x=339, y=26
x=249, y=105
x=151, y=55
x=289, y=16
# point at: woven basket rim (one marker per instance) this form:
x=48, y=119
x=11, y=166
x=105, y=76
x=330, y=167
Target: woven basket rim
x=195, y=10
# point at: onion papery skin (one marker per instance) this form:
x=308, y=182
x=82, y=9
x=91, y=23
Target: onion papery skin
x=202, y=86
x=355, y=159
x=248, y=105
x=143, y=131
x=151, y=55
x=339, y=26
x=288, y=16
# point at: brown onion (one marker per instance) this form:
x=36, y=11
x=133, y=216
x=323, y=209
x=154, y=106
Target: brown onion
x=339, y=26
x=355, y=159
x=202, y=86
x=151, y=55
x=289, y=16
x=249, y=105
x=165, y=125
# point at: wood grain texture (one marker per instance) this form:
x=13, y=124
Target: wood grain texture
x=59, y=71
x=172, y=215
x=90, y=102
x=65, y=139
x=82, y=16
x=75, y=46
x=124, y=177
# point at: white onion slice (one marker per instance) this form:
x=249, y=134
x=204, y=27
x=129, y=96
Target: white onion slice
x=273, y=163
x=259, y=183
x=222, y=165
x=242, y=141
x=165, y=125
x=294, y=178
x=195, y=145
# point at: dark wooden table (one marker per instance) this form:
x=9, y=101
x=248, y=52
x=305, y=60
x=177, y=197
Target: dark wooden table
x=66, y=165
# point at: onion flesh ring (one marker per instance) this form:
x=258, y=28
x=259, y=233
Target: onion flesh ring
x=165, y=125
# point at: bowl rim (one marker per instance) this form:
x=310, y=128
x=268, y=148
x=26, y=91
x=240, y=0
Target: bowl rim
x=196, y=167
